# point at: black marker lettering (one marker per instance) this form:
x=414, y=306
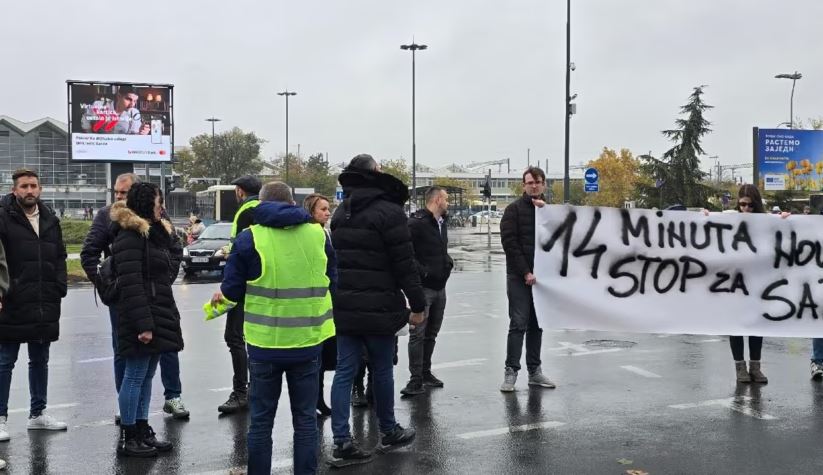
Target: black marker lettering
x=767, y=295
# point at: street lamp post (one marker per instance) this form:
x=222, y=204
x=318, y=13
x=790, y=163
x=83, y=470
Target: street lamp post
x=568, y=100
x=413, y=47
x=287, y=93
x=794, y=77
x=213, y=148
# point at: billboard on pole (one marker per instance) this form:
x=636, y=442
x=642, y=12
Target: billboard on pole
x=120, y=122
x=790, y=159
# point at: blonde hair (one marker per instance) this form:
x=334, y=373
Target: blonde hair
x=310, y=202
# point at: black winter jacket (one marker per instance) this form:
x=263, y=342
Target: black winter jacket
x=375, y=258
x=37, y=271
x=146, y=260
x=431, y=253
x=517, y=235
x=97, y=242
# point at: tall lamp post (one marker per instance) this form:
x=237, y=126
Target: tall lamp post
x=213, y=148
x=413, y=47
x=570, y=108
x=287, y=93
x=794, y=77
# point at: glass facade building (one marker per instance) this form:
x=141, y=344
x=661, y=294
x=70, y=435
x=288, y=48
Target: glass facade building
x=42, y=146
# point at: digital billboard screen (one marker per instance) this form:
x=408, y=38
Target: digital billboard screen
x=120, y=122
x=790, y=159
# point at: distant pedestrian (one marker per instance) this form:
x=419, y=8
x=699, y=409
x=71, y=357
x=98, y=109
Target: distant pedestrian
x=279, y=268
x=749, y=201
x=147, y=259
x=318, y=207
x=430, y=238
x=517, y=234
x=246, y=189
x=376, y=274
x=807, y=209
x=36, y=256
x=98, y=241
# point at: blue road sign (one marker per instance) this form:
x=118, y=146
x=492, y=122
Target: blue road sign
x=591, y=180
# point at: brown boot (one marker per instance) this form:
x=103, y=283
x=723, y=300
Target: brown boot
x=755, y=373
x=742, y=372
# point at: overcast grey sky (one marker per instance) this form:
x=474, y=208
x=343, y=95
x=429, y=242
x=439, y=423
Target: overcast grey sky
x=490, y=85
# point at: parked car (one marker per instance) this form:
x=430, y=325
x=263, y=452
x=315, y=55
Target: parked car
x=208, y=252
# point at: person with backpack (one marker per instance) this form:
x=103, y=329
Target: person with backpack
x=146, y=258
x=98, y=242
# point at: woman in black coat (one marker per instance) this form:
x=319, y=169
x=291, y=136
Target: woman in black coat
x=146, y=257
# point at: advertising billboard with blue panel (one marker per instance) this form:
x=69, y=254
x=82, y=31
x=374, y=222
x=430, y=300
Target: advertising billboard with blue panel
x=790, y=159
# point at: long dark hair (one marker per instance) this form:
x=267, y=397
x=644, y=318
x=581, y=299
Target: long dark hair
x=141, y=199
x=751, y=192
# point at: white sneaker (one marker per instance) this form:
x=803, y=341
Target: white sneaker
x=4, y=429
x=46, y=422
x=2, y=464
x=817, y=373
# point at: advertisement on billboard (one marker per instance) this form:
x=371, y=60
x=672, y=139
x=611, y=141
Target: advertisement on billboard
x=120, y=122
x=790, y=159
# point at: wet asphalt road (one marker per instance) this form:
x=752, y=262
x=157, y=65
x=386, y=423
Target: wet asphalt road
x=656, y=403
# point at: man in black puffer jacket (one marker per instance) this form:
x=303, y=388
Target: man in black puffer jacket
x=431, y=241
x=517, y=234
x=30, y=314
x=375, y=262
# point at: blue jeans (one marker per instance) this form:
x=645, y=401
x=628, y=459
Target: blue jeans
x=169, y=366
x=817, y=350
x=135, y=392
x=264, y=393
x=380, y=349
x=38, y=375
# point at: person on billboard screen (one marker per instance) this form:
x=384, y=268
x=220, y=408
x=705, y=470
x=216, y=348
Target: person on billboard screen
x=120, y=116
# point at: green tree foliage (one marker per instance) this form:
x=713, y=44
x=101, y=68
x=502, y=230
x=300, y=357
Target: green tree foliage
x=397, y=168
x=313, y=172
x=679, y=169
x=235, y=153
x=577, y=196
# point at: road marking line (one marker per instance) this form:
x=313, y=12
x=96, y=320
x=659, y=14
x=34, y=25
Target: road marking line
x=741, y=404
x=283, y=463
x=48, y=407
x=595, y=352
x=460, y=363
x=710, y=340
x=511, y=430
x=220, y=390
x=97, y=360
x=640, y=371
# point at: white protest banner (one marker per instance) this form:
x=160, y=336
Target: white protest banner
x=678, y=272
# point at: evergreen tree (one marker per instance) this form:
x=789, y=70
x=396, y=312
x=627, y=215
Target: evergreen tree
x=677, y=175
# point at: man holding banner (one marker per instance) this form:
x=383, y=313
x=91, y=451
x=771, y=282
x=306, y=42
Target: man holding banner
x=517, y=229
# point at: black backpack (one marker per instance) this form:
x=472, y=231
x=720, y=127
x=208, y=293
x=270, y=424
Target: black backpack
x=106, y=285
x=107, y=279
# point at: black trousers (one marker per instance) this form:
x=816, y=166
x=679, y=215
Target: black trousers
x=237, y=349
x=755, y=345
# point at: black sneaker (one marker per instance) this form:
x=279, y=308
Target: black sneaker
x=348, y=453
x=395, y=439
x=237, y=402
x=358, y=398
x=131, y=444
x=431, y=381
x=413, y=388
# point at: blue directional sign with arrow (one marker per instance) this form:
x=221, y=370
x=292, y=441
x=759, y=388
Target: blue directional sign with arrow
x=591, y=180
